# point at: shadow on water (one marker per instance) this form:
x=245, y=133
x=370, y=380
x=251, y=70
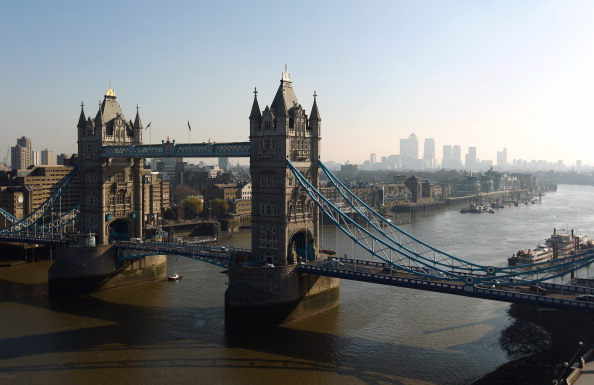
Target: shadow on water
x=135, y=328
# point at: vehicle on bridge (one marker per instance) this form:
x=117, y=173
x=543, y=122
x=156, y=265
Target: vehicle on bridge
x=585, y=297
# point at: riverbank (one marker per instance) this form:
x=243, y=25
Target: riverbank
x=538, y=341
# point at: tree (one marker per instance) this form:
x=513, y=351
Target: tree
x=170, y=213
x=218, y=207
x=192, y=206
x=182, y=191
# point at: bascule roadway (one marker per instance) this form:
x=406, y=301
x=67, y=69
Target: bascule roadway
x=545, y=294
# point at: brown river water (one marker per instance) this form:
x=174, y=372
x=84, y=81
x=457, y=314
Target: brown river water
x=173, y=332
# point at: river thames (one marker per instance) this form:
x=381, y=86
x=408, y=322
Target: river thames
x=173, y=332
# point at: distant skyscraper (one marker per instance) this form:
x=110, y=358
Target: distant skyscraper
x=409, y=150
x=47, y=157
x=403, y=148
x=471, y=160
x=456, y=157
x=372, y=159
x=429, y=152
x=502, y=159
x=21, y=154
x=224, y=163
x=448, y=157
x=413, y=143
x=62, y=158
x=35, y=158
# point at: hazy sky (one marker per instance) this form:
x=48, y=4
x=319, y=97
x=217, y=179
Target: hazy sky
x=490, y=74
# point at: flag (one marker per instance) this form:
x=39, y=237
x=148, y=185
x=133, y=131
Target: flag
x=147, y=126
x=189, y=128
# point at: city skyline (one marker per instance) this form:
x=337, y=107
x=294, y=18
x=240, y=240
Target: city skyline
x=489, y=75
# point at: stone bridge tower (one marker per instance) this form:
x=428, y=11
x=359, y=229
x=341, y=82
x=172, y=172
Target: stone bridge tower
x=285, y=222
x=111, y=198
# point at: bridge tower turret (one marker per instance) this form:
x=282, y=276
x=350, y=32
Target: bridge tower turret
x=285, y=222
x=112, y=201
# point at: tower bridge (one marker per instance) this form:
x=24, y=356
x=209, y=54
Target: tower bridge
x=287, y=206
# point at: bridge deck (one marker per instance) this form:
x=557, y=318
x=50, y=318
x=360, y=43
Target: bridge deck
x=43, y=239
x=554, y=295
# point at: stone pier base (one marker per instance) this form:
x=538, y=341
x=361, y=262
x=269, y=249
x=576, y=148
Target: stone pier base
x=82, y=270
x=275, y=295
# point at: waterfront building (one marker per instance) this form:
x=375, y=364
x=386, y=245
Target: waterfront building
x=169, y=168
x=40, y=182
x=156, y=197
x=12, y=200
x=225, y=191
x=245, y=192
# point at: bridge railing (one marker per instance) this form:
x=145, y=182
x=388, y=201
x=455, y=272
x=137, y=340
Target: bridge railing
x=173, y=150
x=459, y=288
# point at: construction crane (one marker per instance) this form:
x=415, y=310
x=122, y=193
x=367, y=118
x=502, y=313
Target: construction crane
x=6, y=157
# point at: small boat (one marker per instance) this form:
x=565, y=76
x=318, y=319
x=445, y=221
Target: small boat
x=513, y=260
x=540, y=253
x=174, y=277
x=327, y=252
x=564, y=242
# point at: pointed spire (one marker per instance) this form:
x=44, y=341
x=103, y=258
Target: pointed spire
x=285, y=97
x=315, y=114
x=255, y=114
x=99, y=116
x=137, y=122
x=82, y=120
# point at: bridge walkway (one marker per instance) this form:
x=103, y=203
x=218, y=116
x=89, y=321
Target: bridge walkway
x=544, y=294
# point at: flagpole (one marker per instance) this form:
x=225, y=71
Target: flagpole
x=189, y=131
x=150, y=125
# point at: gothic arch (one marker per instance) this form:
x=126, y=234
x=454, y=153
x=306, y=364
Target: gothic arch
x=300, y=246
x=119, y=229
